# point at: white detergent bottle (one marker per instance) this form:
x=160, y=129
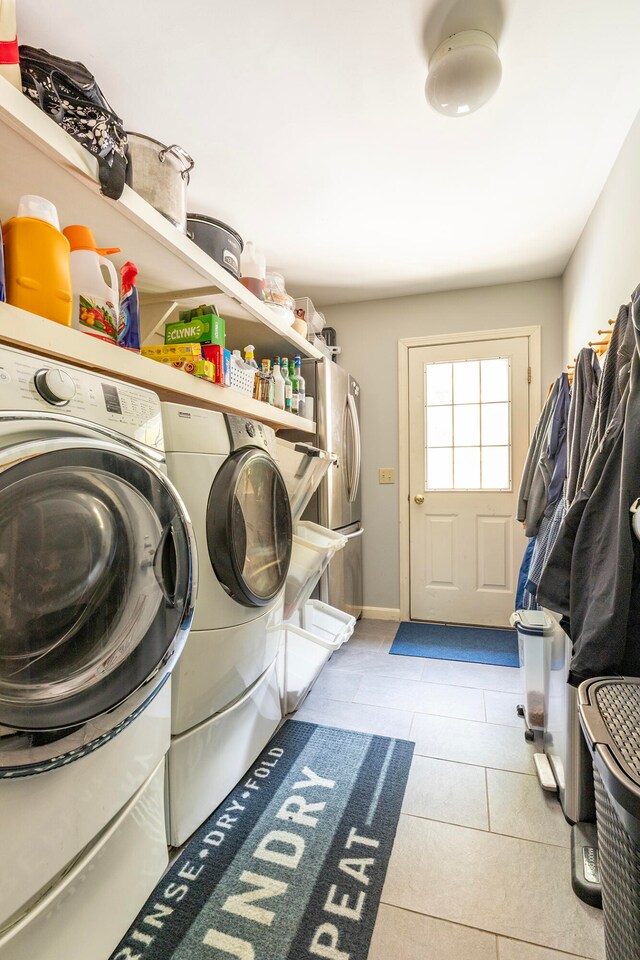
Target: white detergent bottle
x=96, y=299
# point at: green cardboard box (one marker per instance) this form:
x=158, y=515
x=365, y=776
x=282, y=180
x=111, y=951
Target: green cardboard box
x=202, y=311
x=207, y=329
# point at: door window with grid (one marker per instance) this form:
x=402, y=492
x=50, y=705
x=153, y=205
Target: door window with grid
x=468, y=425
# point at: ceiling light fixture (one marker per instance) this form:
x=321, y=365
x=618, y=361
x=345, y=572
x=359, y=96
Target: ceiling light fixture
x=464, y=73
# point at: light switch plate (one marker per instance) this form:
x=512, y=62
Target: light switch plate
x=386, y=475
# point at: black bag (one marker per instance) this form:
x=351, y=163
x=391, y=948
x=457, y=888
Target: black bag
x=68, y=93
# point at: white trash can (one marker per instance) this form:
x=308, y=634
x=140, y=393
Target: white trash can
x=534, y=628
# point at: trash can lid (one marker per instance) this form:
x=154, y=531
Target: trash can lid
x=610, y=718
x=530, y=622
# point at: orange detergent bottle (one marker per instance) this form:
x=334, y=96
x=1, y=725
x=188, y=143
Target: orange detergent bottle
x=37, y=261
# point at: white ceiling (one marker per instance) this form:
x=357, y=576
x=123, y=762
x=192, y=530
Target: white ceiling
x=312, y=135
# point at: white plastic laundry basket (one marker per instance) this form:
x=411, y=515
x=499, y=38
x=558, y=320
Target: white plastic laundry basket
x=313, y=548
x=306, y=649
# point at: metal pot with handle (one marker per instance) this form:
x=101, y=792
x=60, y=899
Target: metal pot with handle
x=160, y=174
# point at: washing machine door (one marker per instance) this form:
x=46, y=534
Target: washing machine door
x=96, y=580
x=249, y=527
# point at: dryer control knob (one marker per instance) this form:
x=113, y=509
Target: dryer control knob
x=55, y=386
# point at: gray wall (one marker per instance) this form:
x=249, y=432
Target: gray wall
x=368, y=333
x=605, y=266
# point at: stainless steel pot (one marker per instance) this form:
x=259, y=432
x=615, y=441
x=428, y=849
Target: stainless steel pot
x=160, y=174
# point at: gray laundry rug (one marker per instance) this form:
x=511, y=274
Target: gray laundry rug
x=292, y=864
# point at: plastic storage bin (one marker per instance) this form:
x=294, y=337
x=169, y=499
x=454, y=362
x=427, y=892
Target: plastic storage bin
x=610, y=719
x=534, y=628
x=313, y=548
x=308, y=644
x=303, y=468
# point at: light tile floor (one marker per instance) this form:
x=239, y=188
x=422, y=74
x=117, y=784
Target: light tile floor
x=480, y=868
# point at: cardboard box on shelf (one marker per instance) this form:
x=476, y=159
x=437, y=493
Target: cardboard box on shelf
x=187, y=357
x=209, y=328
x=221, y=358
x=178, y=351
x=202, y=311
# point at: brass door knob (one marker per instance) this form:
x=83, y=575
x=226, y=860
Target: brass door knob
x=419, y=498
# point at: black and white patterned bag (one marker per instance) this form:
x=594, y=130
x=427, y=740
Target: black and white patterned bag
x=68, y=93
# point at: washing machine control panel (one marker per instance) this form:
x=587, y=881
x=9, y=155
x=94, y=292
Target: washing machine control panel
x=250, y=433
x=31, y=383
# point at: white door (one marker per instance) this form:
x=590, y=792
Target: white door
x=469, y=434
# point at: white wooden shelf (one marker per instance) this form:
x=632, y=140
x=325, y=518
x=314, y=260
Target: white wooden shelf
x=26, y=331
x=37, y=156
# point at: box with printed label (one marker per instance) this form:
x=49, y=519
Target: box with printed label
x=179, y=351
x=197, y=368
x=221, y=358
x=207, y=329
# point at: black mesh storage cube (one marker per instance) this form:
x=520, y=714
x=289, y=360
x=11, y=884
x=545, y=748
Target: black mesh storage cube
x=610, y=719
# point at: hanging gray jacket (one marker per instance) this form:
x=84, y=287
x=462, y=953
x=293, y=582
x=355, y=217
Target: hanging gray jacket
x=557, y=448
x=584, y=391
x=536, y=475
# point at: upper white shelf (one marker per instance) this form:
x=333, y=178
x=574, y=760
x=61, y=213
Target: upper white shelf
x=37, y=156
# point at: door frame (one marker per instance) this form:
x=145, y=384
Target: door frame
x=534, y=335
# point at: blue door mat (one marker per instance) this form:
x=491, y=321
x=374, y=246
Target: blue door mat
x=442, y=641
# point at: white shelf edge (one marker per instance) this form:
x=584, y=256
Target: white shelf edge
x=26, y=331
x=24, y=117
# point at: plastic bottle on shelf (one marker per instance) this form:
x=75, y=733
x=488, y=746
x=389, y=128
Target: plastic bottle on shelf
x=37, y=261
x=278, y=385
x=129, y=315
x=9, y=52
x=236, y=356
x=302, y=389
x=284, y=369
x=95, y=301
x=249, y=357
x=253, y=269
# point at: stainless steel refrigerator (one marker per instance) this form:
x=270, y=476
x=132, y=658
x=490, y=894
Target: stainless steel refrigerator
x=336, y=504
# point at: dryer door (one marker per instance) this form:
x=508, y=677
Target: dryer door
x=96, y=580
x=249, y=527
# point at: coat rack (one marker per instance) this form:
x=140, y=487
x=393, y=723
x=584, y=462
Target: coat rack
x=599, y=347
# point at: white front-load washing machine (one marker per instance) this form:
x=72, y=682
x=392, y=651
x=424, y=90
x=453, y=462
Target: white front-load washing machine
x=225, y=689
x=97, y=579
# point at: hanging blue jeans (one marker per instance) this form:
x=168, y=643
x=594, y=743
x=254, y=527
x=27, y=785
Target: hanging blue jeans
x=523, y=576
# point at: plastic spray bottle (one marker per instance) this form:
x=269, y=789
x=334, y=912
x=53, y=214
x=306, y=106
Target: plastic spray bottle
x=129, y=319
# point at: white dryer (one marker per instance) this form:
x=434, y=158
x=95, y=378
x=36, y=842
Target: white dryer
x=97, y=574
x=225, y=690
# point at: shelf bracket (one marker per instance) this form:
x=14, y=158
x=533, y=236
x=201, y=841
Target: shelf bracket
x=158, y=328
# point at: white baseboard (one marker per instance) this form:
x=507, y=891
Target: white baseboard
x=380, y=613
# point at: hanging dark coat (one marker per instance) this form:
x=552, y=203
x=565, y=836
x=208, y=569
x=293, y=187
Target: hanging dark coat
x=611, y=387
x=584, y=392
x=593, y=573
